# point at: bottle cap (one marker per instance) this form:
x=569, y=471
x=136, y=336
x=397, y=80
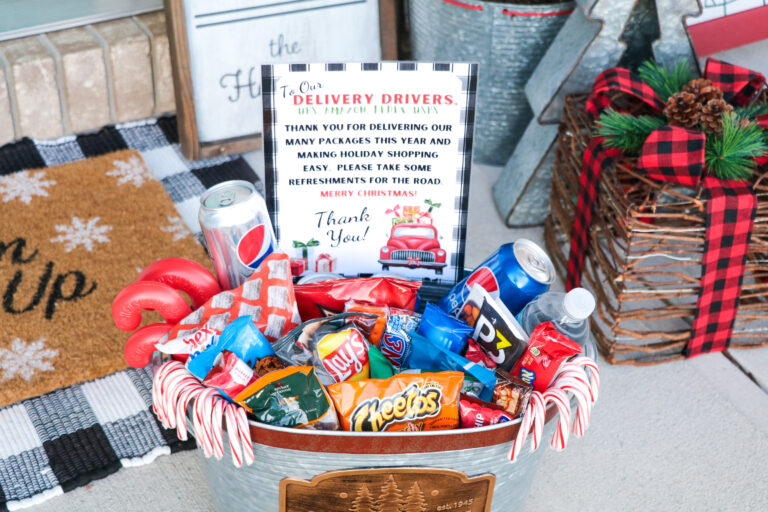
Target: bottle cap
x=579, y=303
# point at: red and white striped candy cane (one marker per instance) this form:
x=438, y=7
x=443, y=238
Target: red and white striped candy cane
x=245, y=435
x=157, y=402
x=579, y=388
x=216, y=416
x=181, y=410
x=230, y=412
x=539, y=418
x=170, y=378
x=590, y=366
x=175, y=384
x=203, y=412
x=522, y=432
x=560, y=399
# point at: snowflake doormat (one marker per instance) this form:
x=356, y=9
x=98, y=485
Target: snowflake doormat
x=71, y=236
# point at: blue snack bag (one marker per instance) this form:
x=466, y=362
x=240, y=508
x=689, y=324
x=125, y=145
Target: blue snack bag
x=242, y=338
x=444, y=330
x=426, y=355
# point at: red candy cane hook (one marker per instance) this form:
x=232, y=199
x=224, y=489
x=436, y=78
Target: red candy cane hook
x=186, y=275
x=147, y=295
x=141, y=345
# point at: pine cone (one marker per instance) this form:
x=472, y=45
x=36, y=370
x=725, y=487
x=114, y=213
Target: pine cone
x=712, y=115
x=703, y=89
x=682, y=109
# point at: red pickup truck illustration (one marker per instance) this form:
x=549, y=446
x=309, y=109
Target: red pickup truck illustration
x=413, y=246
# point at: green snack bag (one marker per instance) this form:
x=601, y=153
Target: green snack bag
x=291, y=397
x=381, y=368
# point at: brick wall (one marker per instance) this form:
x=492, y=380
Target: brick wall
x=80, y=79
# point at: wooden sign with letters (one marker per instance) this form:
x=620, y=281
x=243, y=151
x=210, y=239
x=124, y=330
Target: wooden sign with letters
x=388, y=489
x=217, y=49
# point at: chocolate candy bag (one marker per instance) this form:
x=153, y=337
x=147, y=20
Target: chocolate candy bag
x=404, y=402
x=292, y=397
x=326, y=298
x=395, y=342
x=511, y=393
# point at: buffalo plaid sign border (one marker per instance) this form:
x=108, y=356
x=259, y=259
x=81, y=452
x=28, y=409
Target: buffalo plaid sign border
x=467, y=73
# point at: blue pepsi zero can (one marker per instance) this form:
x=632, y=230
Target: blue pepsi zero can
x=516, y=273
x=237, y=230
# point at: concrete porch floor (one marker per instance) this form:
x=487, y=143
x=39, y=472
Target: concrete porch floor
x=690, y=435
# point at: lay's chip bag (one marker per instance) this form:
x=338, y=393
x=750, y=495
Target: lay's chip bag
x=404, y=402
x=342, y=353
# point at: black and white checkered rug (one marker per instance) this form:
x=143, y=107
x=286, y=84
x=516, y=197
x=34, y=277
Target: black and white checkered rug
x=60, y=441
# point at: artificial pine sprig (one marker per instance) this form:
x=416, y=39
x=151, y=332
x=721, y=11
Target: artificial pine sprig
x=729, y=154
x=665, y=81
x=625, y=131
x=751, y=111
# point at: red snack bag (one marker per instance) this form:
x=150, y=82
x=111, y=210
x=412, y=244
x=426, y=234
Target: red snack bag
x=230, y=374
x=326, y=298
x=477, y=413
x=546, y=351
x=477, y=355
x=267, y=296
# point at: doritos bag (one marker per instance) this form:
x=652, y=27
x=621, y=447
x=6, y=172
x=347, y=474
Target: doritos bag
x=405, y=402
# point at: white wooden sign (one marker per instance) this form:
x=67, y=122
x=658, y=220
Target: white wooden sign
x=221, y=46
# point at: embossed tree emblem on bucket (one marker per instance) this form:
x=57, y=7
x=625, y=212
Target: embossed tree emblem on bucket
x=388, y=490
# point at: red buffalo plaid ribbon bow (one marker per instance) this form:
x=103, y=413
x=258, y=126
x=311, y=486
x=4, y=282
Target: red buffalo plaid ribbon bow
x=676, y=155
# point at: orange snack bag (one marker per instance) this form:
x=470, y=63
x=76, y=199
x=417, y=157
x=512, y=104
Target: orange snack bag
x=373, y=327
x=404, y=402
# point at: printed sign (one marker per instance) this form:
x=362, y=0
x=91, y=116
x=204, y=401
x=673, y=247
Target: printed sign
x=367, y=165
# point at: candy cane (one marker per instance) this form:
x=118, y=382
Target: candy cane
x=522, y=433
x=202, y=431
x=157, y=389
x=245, y=435
x=218, y=415
x=540, y=417
x=590, y=366
x=175, y=385
x=168, y=375
x=579, y=388
x=234, y=440
x=560, y=399
x=181, y=410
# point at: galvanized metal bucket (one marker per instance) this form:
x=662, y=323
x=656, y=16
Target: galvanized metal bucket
x=507, y=40
x=296, y=466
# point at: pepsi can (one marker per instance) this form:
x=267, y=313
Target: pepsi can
x=237, y=230
x=516, y=273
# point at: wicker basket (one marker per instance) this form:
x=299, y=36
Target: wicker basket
x=644, y=253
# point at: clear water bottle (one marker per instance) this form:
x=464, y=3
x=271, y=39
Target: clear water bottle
x=569, y=312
